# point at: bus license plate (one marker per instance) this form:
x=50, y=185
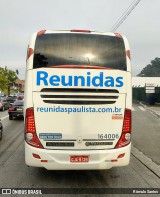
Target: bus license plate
x=79, y=159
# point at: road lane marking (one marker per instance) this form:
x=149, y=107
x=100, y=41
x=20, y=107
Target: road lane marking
x=4, y=117
x=141, y=108
x=133, y=109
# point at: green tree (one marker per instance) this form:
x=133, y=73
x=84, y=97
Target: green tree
x=7, y=79
x=3, y=80
x=151, y=70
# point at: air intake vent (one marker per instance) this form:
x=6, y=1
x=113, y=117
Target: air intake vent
x=77, y=96
x=83, y=90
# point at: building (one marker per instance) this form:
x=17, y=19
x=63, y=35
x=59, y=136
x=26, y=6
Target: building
x=142, y=81
x=19, y=85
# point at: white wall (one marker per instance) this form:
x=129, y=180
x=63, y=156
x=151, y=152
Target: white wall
x=141, y=81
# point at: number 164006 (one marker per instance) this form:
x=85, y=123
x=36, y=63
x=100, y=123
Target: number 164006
x=108, y=136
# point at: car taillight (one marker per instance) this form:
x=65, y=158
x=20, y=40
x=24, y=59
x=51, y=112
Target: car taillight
x=30, y=130
x=126, y=131
x=11, y=109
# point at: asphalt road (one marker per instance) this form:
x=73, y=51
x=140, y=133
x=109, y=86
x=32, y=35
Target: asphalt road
x=146, y=132
x=14, y=172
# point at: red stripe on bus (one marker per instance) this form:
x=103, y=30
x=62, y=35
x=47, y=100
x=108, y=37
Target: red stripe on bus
x=128, y=54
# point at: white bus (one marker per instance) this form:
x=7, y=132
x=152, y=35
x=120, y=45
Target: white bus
x=78, y=100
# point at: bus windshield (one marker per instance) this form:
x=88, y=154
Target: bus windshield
x=79, y=49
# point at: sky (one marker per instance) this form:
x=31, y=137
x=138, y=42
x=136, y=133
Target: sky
x=19, y=19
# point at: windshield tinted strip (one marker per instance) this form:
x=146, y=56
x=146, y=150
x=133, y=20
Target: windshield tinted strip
x=79, y=49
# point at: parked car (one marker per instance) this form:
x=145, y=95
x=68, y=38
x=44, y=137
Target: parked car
x=21, y=94
x=20, y=97
x=14, y=94
x=16, y=109
x=3, y=104
x=2, y=94
x=11, y=99
x=1, y=129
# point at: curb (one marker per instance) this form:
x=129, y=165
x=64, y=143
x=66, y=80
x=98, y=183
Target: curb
x=4, y=117
x=155, y=168
x=151, y=110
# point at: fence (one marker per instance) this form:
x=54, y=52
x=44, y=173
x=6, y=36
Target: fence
x=140, y=95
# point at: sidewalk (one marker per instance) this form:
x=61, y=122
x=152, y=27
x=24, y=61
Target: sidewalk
x=155, y=109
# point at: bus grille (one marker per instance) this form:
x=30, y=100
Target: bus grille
x=77, y=96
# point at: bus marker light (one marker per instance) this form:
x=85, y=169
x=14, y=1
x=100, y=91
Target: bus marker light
x=36, y=156
x=81, y=31
x=41, y=32
x=121, y=155
x=44, y=161
x=118, y=35
x=114, y=160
